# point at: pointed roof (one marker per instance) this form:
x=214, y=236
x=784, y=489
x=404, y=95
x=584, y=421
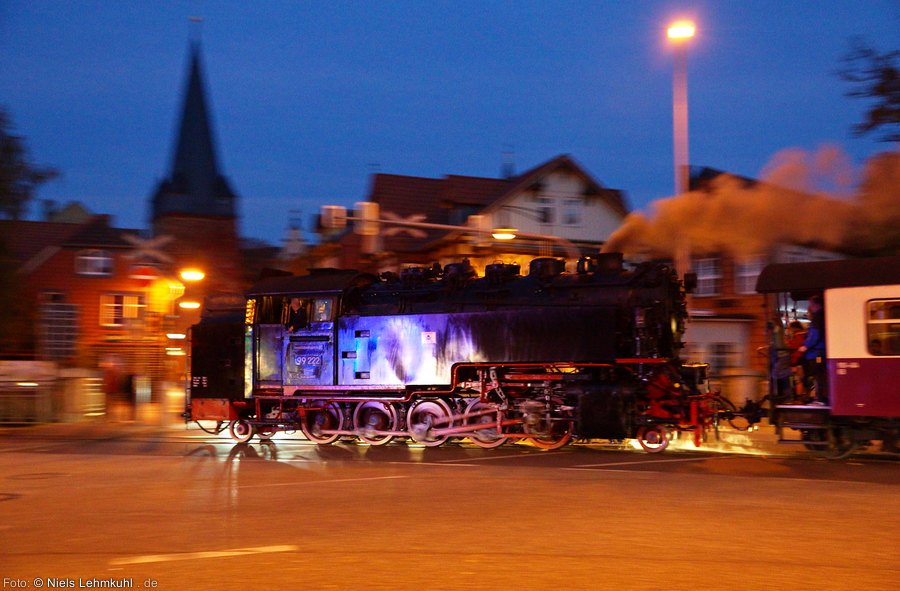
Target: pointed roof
x=195, y=186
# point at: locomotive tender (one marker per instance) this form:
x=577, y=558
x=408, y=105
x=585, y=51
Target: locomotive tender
x=437, y=353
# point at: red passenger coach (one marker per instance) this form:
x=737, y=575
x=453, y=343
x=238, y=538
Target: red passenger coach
x=862, y=342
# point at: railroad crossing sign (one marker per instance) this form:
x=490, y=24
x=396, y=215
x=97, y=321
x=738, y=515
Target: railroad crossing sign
x=149, y=249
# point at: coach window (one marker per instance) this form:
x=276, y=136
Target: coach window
x=883, y=329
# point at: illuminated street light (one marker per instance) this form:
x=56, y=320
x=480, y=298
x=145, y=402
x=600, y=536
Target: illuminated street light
x=679, y=33
x=504, y=234
x=189, y=305
x=192, y=275
x=681, y=30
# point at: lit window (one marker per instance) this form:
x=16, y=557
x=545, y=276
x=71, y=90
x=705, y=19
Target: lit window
x=883, y=332
x=709, y=276
x=117, y=308
x=97, y=263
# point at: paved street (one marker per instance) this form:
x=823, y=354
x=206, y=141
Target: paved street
x=182, y=509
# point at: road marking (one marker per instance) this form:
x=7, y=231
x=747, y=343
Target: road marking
x=506, y=457
x=616, y=464
x=442, y=464
x=201, y=555
x=320, y=481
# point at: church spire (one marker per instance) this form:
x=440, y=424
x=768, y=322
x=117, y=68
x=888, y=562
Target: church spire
x=195, y=186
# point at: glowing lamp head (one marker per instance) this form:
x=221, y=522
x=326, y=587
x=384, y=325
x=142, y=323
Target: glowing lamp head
x=189, y=305
x=192, y=275
x=682, y=30
x=504, y=233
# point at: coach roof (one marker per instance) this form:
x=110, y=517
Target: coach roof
x=805, y=279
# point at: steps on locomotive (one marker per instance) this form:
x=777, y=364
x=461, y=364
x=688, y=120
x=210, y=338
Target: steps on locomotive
x=802, y=418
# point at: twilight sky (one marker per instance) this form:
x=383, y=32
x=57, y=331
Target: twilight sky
x=309, y=98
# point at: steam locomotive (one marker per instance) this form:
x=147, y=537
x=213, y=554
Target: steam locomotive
x=433, y=353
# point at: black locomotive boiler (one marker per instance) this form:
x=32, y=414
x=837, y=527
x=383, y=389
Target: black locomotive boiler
x=436, y=353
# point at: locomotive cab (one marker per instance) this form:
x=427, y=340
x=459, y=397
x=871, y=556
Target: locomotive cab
x=292, y=321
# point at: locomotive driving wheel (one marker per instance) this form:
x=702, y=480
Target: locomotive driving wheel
x=426, y=416
x=653, y=438
x=321, y=417
x=490, y=436
x=241, y=430
x=372, y=416
x=549, y=430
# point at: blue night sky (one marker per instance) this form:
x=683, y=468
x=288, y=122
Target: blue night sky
x=309, y=98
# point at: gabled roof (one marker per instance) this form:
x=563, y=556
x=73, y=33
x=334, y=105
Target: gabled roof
x=97, y=233
x=612, y=197
x=32, y=243
x=410, y=198
x=24, y=239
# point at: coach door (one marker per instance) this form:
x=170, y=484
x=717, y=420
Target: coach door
x=309, y=349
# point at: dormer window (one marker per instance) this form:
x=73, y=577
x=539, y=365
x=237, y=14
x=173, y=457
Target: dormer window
x=94, y=263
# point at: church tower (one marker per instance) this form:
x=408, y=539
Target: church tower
x=195, y=206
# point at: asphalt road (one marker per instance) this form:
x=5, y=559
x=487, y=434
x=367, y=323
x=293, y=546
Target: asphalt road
x=179, y=509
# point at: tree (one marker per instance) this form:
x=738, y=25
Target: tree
x=19, y=178
x=876, y=76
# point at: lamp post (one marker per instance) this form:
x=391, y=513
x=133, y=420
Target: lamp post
x=679, y=33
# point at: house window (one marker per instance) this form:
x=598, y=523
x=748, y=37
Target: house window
x=709, y=276
x=58, y=329
x=572, y=212
x=117, y=308
x=96, y=263
x=545, y=210
x=721, y=356
x=746, y=272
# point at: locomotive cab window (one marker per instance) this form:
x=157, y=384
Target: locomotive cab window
x=322, y=310
x=883, y=329
x=269, y=309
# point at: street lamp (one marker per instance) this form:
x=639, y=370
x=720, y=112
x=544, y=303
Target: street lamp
x=192, y=275
x=504, y=234
x=679, y=33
